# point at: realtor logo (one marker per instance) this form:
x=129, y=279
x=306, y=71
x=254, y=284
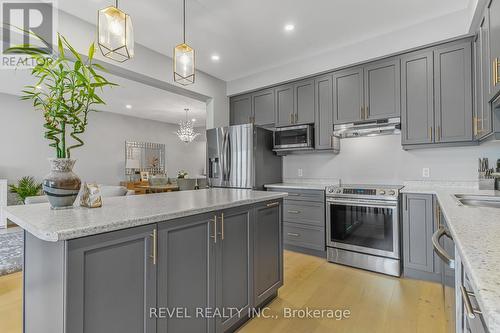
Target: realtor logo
x=22, y=21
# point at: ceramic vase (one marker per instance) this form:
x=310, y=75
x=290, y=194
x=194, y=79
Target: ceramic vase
x=61, y=185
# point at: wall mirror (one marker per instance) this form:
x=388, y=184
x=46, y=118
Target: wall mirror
x=144, y=156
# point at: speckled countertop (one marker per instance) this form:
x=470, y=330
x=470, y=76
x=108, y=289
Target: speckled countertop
x=304, y=183
x=128, y=211
x=476, y=232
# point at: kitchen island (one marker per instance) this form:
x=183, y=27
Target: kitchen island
x=191, y=261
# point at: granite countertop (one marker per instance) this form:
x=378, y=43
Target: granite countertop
x=476, y=232
x=304, y=183
x=128, y=211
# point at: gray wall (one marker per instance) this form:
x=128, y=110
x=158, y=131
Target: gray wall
x=24, y=151
x=382, y=160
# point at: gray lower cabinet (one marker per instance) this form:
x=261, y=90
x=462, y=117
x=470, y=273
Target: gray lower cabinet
x=240, y=110
x=417, y=98
x=324, y=113
x=111, y=283
x=234, y=260
x=186, y=272
x=348, y=95
x=453, y=92
x=268, y=251
x=304, y=102
x=382, y=89
x=419, y=223
x=263, y=107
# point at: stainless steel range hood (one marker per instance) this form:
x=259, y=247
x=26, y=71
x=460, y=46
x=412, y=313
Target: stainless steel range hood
x=368, y=128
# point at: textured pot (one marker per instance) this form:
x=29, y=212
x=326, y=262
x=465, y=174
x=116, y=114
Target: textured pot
x=61, y=185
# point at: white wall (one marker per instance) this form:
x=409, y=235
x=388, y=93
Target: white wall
x=431, y=31
x=381, y=159
x=24, y=151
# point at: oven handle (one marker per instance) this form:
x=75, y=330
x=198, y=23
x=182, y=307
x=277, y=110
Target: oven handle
x=363, y=203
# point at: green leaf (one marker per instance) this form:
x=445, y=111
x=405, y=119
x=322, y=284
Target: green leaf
x=91, y=51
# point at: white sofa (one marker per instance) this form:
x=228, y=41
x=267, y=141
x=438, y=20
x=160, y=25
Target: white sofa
x=3, y=202
x=107, y=191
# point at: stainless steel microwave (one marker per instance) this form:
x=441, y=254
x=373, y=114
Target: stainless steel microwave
x=299, y=137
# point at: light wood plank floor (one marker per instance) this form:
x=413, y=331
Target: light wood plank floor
x=377, y=303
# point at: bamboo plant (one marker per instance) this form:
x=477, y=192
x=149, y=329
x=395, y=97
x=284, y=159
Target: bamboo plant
x=65, y=91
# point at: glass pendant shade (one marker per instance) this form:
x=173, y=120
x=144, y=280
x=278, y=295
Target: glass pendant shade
x=115, y=34
x=183, y=64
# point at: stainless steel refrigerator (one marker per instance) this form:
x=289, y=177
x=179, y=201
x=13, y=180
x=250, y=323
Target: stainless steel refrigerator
x=241, y=156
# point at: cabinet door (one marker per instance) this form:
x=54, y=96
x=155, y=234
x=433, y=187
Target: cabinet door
x=111, y=282
x=453, y=92
x=284, y=109
x=485, y=123
x=268, y=250
x=382, y=89
x=348, y=95
x=241, y=110
x=417, y=98
x=263, y=107
x=304, y=102
x=494, y=43
x=234, y=265
x=418, y=225
x=324, y=113
x=186, y=272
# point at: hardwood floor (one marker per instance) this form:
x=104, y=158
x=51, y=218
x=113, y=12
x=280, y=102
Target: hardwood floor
x=377, y=303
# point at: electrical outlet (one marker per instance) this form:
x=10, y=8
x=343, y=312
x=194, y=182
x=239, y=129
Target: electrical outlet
x=426, y=172
x=299, y=172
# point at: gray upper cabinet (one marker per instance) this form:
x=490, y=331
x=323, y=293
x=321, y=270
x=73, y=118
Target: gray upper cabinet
x=263, y=107
x=324, y=113
x=186, y=271
x=382, y=89
x=417, y=101
x=494, y=45
x=284, y=108
x=484, y=121
x=418, y=227
x=348, y=95
x=111, y=282
x=234, y=264
x=304, y=102
x=453, y=92
x=268, y=251
x=240, y=110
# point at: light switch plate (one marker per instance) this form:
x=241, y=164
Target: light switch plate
x=299, y=172
x=426, y=172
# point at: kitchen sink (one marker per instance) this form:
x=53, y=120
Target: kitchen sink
x=478, y=200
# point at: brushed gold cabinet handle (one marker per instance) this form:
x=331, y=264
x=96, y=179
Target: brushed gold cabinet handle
x=495, y=72
x=214, y=236
x=222, y=226
x=294, y=211
x=292, y=234
x=154, y=246
x=361, y=112
x=367, y=110
x=475, y=125
x=273, y=204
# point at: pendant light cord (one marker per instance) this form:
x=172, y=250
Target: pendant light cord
x=183, y=21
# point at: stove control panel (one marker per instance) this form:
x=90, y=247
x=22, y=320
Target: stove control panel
x=362, y=192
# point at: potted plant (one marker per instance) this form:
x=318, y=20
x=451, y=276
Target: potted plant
x=182, y=174
x=65, y=93
x=26, y=187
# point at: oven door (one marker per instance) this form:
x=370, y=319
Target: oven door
x=293, y=137
x=366, y=226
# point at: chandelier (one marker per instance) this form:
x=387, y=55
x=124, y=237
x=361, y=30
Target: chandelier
x=184, y=71
x=115, y=33
x=186, y=131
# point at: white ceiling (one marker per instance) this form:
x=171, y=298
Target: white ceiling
x=248, y=34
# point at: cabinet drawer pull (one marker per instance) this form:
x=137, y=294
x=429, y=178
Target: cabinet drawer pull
x=293, y=194
x=475, y=126
x=361, y=113
x=294, y=211
x=292, y=234
x=154, y=246
x=273, y=204
x=222, y=226
x=430, y=133
x=214, y=236
x=495, y=72
x=471, y=312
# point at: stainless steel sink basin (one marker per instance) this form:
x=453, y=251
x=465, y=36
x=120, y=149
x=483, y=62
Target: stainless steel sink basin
x=478, y=200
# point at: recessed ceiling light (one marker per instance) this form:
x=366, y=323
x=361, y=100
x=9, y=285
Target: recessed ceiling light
x=128, y=106
x=193, y=120
x=289, y=27
x=215, y=57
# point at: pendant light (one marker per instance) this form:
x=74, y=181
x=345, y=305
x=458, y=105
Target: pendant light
x=115, y=33
x=186, y=131
x=184, y=58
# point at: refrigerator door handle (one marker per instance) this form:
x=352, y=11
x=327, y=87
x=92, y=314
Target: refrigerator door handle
x=229, y=157
x=224, y=156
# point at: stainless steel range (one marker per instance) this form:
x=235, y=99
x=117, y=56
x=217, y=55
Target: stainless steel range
x=362, y=227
